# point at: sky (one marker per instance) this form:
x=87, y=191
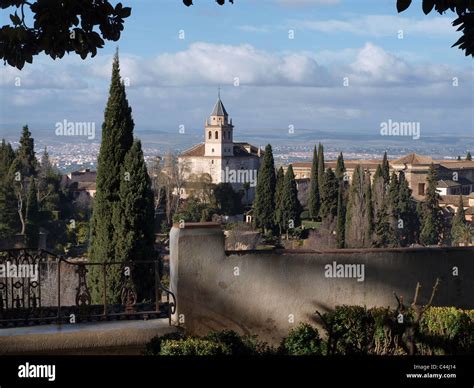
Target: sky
x=329, y=65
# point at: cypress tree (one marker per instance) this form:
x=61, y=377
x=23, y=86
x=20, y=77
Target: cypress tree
x=468, y=156
x=280, y=178
x=341, y=217
x=356, y=219
x=382, y=233
x=407, y=217
x=369, y=211
x=340, y=167
x=459, y=221
x=32, y=216
x=291, y=206
x=329, y=195
x=134, y=219
x=25, y=160
x=117, y=138
x=432, y=223
x=264, y=204
x=385, y=169
x=314, y=202
x=321, y=168
x=8, y=214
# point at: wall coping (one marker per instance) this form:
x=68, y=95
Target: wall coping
x=197, y=225
x=344, y=251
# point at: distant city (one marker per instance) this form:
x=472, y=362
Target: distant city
x=77, y=153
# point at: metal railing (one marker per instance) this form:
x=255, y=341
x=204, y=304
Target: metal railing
x=26, y=300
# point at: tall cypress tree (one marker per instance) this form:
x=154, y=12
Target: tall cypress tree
x=329, y=195
x=356, y=217
x=8, y=215
x=382, y=233
x=25, y=160
x=341, y=217
x=264, y=204
x=407, y=216
x=468, y=156
x=340, y=167
x=432, y=223
x=369, y=211
x=291, y=206
x=459, y=220
x=134, y=218
x=321, y=167
x=314, y=194
x=385, y=169
x=117, y=138
x=280, y=178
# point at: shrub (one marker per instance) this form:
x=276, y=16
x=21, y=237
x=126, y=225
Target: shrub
x=193, y=347
x=304, y=340
x=350, y=330
x=446, y=330
x=239, y=345
x=153, y=348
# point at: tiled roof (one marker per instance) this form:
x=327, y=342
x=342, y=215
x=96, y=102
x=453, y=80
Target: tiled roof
x=219, y=109
x=413, y=159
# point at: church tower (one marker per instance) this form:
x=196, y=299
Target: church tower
x=219, y=132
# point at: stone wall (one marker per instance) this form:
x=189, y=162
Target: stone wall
x=269, y=292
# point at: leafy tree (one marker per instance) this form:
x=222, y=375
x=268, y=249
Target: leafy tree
x=329, y=195
x=290, y=205
x=314, y=194
x=465, y=20
x=117, y=139
x=432, y=222
x=468, y=156
x=59, y=27
x=264, y=204
x=459, y=221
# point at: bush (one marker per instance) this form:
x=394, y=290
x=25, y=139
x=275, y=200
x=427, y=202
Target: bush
x=153, y=348
x=304, y=340
x=193, y=347
x=350, y=329
x=238, y=345
x=446, y=330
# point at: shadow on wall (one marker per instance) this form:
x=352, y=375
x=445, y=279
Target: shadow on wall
x=269, y=292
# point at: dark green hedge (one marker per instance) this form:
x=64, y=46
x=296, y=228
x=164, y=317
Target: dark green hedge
x=348, y=330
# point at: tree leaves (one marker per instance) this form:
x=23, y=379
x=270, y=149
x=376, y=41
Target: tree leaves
x=402, y=5
x=59, y=27
x=428, y=6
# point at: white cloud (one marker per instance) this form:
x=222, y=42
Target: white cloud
x=379, y=25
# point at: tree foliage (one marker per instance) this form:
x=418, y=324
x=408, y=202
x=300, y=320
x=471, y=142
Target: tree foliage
x=464, y=21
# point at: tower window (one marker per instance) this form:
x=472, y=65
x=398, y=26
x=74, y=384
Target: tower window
x=217, y=135
x=210, y=134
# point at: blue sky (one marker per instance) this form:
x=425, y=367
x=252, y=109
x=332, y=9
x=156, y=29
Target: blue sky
x=281, y=81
